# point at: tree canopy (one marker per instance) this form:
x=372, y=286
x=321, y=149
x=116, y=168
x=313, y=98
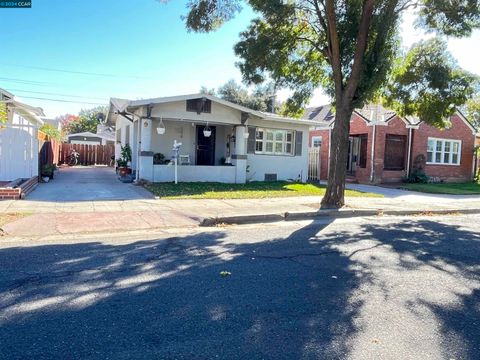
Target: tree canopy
x=86, y=121
x=262, y=98
x=351, y=49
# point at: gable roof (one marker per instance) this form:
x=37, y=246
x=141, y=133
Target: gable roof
x=28, y=112
x=90, y=134
x=131, y=105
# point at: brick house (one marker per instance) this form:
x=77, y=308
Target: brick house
x=383, y=147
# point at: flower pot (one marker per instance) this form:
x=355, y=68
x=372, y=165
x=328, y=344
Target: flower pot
x=123, y=171
x=207, y=133
x=160, y=130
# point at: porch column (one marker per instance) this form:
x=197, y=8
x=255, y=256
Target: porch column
x=146, y=153
x=239, y=158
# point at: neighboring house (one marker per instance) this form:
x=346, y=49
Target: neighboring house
x=384, y=147
x=89, y=138
x=221, y=141
x=19, y=139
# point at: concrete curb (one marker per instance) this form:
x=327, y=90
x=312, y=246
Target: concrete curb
x=342, y=213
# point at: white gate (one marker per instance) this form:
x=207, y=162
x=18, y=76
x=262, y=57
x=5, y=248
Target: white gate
x=314, y=164
x=18, y=152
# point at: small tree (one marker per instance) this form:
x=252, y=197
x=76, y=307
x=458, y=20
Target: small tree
x=349, y=48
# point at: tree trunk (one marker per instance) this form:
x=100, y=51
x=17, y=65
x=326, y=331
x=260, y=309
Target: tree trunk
x=334, y=195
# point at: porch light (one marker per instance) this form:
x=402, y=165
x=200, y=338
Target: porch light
x=161, y=127
x=207, y=131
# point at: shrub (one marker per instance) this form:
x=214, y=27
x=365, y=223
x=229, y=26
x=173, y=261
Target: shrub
x=417, y=177
x=158, y=159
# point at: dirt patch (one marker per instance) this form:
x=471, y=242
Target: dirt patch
x=8, y=218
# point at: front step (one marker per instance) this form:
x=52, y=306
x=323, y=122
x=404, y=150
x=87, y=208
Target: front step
x=351, y=179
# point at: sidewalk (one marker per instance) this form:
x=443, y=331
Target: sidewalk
x=56, y=218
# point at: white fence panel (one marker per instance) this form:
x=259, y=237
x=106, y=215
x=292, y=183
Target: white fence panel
x=18, y=152
x=314, y=164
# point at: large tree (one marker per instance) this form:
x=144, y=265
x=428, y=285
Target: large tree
x=350, y=48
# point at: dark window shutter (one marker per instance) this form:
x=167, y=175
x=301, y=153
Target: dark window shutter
x=252, y=133
x=298, y=143
x=363, y=151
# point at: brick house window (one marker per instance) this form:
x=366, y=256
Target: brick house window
x=362, y=161
x=316, y=141
x=395, y=147
x=444, y=151
x=199, y=106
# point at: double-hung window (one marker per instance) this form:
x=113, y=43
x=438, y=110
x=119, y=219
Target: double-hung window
x=316, y=141
x=274, y=141
x=444, y=151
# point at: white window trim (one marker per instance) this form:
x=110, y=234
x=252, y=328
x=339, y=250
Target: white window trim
x=443, y=151
x=317, y=137
x=284, y=142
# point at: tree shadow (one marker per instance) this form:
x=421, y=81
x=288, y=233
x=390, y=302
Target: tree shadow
x=281, y=298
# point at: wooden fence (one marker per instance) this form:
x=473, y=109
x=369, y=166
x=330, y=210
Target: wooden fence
x=314, y=164
x=89, y=154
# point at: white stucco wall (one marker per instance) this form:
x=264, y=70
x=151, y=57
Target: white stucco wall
x=121, y=125
x=18, y=149
x=285, y=166
x=166, y=173
x=220, y=114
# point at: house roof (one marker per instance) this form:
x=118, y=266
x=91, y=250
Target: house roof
x=29, y=112
x=131, y=105
x=90, y=134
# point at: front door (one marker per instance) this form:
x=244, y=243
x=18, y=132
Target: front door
x=205, y=147
x=353, y=152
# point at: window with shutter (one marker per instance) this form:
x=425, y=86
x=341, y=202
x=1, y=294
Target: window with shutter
x=362, y=161
x=395, y=147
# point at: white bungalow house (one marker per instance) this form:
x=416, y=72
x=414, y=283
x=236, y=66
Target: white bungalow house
x=18, y=139
x=221, y=141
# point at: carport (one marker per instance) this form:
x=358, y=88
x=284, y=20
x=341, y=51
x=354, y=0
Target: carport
x=87, y=183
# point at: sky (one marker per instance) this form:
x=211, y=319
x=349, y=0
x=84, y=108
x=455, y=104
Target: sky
x=84, y=52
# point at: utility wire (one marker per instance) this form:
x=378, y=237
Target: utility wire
x=58, y=94
x=26, y=82
x=62, y=100
x=76, y=72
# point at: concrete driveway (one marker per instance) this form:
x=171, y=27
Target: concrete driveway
x=90, y=183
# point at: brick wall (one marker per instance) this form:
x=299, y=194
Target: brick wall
x=358, y=126
x=396, y=126
x=325, y=134
x=458, y=131
x=9, y=192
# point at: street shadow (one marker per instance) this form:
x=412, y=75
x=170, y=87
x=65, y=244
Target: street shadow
x=192, y=297
x=448, y=256
x=209, y=295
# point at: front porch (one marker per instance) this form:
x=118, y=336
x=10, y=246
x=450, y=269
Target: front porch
x=209, y=152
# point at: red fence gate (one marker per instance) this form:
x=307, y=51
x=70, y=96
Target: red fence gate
x=89, y=154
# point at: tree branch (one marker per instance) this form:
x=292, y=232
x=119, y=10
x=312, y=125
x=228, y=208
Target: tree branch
x=362, y=39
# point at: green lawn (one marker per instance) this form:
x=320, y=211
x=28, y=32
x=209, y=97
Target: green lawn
x=253, y=190
x=447, y=188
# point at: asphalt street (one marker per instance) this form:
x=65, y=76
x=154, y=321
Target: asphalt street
x=363, y=288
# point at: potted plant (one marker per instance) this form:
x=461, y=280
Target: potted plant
x=124, y=161
x=47, y=171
